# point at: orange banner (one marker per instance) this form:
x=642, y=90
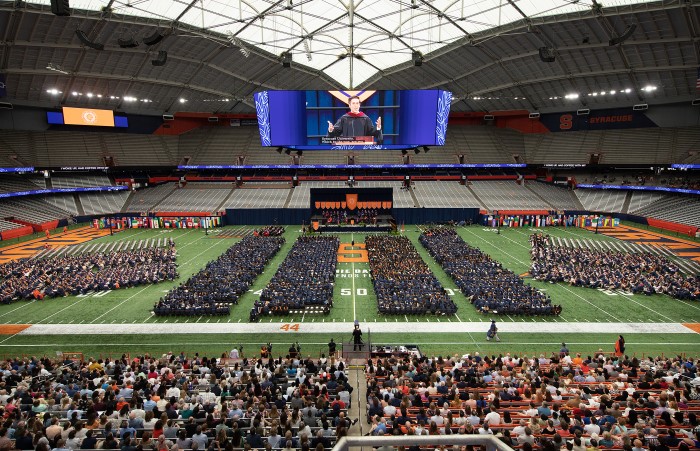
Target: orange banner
x=351, y=200
x=352, y=222
x=314, y=224
x=337, y=205
x=318, y=205
x=88, y=116
x=343, y=205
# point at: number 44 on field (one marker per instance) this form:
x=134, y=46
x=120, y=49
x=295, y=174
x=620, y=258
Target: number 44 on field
x=287, y=327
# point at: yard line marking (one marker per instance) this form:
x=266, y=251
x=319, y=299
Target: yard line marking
x=21, y=306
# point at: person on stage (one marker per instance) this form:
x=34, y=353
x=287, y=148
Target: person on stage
x=355, y=123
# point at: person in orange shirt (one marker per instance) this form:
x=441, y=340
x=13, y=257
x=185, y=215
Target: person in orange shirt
x=577, y=360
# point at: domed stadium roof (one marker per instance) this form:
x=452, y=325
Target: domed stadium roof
x=536, y=55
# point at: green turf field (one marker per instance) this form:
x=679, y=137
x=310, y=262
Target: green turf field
x=354, y=298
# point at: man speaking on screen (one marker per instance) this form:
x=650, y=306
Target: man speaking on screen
x=355, y=123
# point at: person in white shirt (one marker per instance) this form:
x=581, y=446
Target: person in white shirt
x=492, y=418
x=485, y=430
x=173, y=392
x=519, y=429
x=592, y=428
x=438, y=420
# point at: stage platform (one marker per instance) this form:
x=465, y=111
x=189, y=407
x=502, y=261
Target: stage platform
x=383, y=224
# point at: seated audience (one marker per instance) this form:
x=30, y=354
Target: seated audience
x=489, y=286
x=222, y=282
x=611, y=270
x=402, y=281
x=305, y=277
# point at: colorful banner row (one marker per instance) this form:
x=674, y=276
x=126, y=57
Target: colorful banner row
x=360, y=205
x=550, y=220
x=146, y=222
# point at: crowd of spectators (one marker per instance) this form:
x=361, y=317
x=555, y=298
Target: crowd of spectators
x=173, y=403
x=556, y=403
x=402, y=281
x=305, y=277
x=80, y=274
x=221, y=282
x=359, y=215
x=634, y=272
x=489, y=287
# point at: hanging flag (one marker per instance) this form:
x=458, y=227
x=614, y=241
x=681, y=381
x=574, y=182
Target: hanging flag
x=318, y=205
x=351, y=201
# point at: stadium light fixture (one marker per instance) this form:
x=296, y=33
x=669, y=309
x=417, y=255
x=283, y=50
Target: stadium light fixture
x=183, y=100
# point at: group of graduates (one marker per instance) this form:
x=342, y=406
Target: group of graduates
x=403, y=282
x=359, y=215
x=490, y=287
x=221, y=282
x=634, y=272
x=172, y=402
x=305, y=277
x=80, y=274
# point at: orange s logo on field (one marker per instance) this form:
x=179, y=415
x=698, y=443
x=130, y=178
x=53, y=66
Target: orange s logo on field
x=347, y=253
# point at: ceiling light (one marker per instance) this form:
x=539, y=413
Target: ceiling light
x=602, y=93
x=628, y=90
x=571, y=96
x=183, y=100
x=99, y=96
x=649, y=88
x=594, y=94
x=613, y=91
x=111, y=97
x=75, y=93
x=89, y=94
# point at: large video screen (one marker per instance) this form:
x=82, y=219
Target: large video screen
x=88, y=116
x=310, y=120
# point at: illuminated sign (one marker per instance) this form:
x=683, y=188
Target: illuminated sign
x=88, y=116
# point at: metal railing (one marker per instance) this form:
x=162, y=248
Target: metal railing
x=489, y=441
